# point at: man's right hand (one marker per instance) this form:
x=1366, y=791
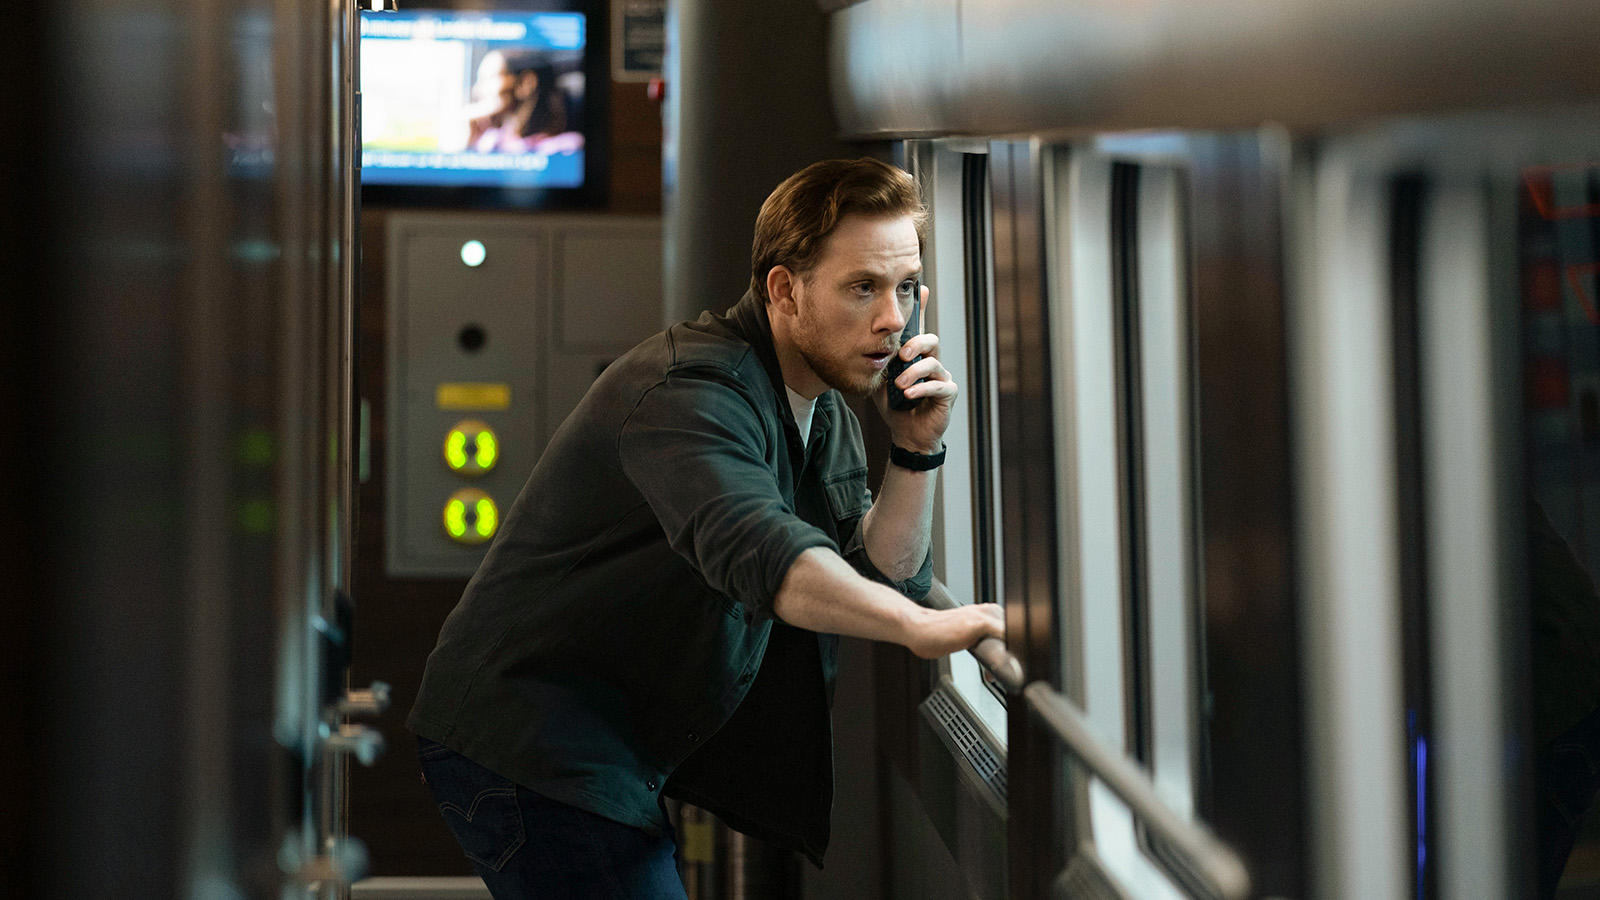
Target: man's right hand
x=822, y=593
x=933, y=633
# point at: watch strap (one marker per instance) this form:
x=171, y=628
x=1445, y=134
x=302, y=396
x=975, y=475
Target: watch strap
x=916, y=462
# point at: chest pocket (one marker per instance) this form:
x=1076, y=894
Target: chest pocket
x=847, y=494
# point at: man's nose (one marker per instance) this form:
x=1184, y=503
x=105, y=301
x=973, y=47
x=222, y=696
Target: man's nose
x=892, y=318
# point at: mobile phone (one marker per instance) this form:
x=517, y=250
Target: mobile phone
x=897, y=397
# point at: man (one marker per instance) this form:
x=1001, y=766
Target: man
x=657, y=616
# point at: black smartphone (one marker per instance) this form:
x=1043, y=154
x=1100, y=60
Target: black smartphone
x=897, y=397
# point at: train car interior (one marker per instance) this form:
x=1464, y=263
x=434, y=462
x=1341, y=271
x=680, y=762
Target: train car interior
x=1277, y=331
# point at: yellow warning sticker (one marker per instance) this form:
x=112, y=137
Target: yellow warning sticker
x=473, y=395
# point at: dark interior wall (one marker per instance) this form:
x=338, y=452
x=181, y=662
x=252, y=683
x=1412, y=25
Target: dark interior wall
x=398, y=619
x=21, y=111
x=635, y=151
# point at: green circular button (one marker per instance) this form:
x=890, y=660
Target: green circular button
x=470, y=516
x=471, y=448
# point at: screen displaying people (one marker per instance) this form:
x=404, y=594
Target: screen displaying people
x=489, y=99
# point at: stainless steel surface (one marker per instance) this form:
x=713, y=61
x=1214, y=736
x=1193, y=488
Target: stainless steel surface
x=1474, y=759
x=1209, y=858
x=420, y=888
x=1045, y=822
x=1036, y=66
x=991, y=653
x=1252, y=716
x=363, y=742
x=315, y=109
x=1169, y=538
x=368, y=701
x=1347, y=518
x=176, y=562
x=1476, y=572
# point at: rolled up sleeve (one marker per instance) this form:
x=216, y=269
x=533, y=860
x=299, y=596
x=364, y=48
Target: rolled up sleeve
x=695, y=448
x=916, y=587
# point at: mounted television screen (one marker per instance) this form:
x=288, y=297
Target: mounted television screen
x=474, y=107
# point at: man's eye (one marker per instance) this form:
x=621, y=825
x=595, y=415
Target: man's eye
x=864, y=287
x=906, y=287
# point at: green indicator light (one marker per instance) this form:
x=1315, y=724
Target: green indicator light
x=255, y=516
x=471, y=448
x=254, y=447
x=455, y=518
x=470, y=516
x=488, y=450
x=455, y=449
x=487, y=516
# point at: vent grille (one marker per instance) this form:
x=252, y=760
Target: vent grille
x=965, y=742
x=1084, y=879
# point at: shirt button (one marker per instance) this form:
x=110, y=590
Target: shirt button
x=745, y=678
x=694, y=738
x=651, y=784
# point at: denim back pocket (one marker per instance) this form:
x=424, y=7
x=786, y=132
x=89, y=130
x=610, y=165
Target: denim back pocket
x=479, y=806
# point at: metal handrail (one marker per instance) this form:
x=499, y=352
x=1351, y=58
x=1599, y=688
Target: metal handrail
x=991, y=653
x=1212, y=861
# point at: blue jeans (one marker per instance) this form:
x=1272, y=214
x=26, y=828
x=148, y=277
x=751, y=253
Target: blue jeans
x=526, y=846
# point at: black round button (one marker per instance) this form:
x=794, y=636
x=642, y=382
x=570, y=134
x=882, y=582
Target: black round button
x=745, y=678
x=472, y=338
x=694, y=738
x=651, y=784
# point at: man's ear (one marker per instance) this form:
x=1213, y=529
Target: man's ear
x=780, y=289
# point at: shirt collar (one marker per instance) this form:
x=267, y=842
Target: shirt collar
x=749, y=318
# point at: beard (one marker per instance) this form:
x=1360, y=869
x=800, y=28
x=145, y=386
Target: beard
x=842, y=369
x=836, y=373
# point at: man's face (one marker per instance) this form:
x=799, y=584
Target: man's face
x=853, y=304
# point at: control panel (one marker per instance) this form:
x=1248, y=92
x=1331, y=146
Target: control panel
x=497, y=325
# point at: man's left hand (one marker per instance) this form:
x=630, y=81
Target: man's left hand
x=921, y=428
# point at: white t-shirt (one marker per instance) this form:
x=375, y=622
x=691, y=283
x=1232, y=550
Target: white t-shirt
x=802, y=409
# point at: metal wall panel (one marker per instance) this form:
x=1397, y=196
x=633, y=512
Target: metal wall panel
x=914, y=67
x=553, y=300
x=1041, y=833
x=187, y=336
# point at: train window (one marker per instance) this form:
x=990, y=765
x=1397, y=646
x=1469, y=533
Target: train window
x=957, y=268
x=1122, y=249
x=1162, y=535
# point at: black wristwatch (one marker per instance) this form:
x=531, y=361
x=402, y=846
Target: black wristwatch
x=916, y=462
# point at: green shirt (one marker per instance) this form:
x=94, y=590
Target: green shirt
x=625, y=608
